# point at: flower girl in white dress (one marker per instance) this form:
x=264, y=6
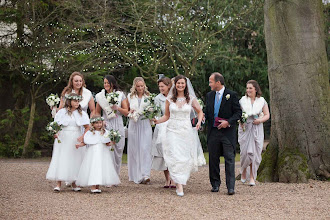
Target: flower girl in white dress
x=66, y=159
x=97, y=167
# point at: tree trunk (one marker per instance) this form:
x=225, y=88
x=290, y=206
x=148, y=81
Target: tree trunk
x=299, y=92
x=30, y=125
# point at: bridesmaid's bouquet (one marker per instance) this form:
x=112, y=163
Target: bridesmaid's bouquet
x=52, y=100
x=113, y=135
x=134, y=115
x=112, y=98
x=243, y=119
x=152, y=110
x=53, y=128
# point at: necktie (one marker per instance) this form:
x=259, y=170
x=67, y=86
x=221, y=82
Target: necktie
x=218, y=96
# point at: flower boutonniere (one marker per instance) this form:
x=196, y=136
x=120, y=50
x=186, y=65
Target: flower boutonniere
x=227, y=96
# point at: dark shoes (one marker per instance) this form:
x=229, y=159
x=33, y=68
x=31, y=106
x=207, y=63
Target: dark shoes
x=215, y=189
x=231, y=192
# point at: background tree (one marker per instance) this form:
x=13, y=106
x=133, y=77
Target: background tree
x=299, y=92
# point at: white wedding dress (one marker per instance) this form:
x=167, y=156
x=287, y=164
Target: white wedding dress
x=182, y=149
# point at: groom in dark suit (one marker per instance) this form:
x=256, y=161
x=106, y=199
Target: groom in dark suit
x=222, y=112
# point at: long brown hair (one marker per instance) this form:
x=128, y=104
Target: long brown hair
x=68, y=105
x=175, y=92
x=69, y=87
x=255, y=84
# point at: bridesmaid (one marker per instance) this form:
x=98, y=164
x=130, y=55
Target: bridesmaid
x=113, y=120
x=139, y=134
x=77, y=85
x=158, y=163
x=251, y=133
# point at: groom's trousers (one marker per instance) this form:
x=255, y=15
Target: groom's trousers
x=219, y=144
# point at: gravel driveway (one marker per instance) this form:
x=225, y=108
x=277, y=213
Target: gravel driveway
x=26, y=194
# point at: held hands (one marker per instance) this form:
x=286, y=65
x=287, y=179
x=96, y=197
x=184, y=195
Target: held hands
x=80, y=139
x=81, y=144
x=223, y=124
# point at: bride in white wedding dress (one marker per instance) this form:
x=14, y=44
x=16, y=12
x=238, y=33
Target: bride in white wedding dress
x=181, y=145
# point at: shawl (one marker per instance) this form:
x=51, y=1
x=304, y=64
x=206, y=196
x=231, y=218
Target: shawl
x=250, y=109
x=103, y=102
x=62, y=117
x=134, y=103
x=96, y=138
x=86, y=94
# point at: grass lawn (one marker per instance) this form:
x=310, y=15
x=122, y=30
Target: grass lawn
x=206, y=155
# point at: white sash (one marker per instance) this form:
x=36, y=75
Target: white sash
x=134, y=103
x=103, y=102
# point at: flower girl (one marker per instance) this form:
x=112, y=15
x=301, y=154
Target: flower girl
x=97, y=167
x=66, y=159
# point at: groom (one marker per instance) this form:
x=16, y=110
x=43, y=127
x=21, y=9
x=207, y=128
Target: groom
x=222, y=112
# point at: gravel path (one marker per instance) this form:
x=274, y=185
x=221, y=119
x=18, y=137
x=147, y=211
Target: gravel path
x=25, y=194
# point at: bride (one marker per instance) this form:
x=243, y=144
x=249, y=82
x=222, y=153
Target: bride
x=182, y=149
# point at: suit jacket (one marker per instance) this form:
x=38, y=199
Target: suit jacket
x=230, y=110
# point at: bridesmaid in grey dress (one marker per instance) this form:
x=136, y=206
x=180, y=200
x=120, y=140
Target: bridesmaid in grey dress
x=113, y=115
x=251, y=133
x=139, y=134
x=158, y=163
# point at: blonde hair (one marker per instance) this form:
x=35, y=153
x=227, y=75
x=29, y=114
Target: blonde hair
x=92, y=129
x=69, y=87
x=133, y=89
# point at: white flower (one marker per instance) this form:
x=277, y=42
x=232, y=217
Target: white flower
x=50, y=128
x=115, y=99
x=227, y=96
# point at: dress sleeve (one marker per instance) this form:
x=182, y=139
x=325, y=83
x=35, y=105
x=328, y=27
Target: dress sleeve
x=82, y=119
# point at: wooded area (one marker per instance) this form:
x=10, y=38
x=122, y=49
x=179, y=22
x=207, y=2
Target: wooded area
x=42, y=42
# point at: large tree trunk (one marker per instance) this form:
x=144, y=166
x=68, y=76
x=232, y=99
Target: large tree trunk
x=299, y=92
x=30, y=125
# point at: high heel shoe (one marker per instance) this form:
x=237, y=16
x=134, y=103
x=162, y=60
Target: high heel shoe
x=179, y=193
x=243, y=180
x=57, y=189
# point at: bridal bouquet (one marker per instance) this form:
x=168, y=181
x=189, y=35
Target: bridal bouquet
x=113, y=135
x=112, y=98
x=201, y=103
x=53, y=128
x=152, y=110
x=52, y=100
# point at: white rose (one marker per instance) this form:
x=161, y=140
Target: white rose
x=115, y=99
x=50, y=128
x=227, y=96
x=51, y=103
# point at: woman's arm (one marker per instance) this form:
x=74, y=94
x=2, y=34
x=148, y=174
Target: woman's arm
x=166, y=116
x=61, y=104
x=124, y=107
x=265, y=111
x=91, y=105
x=199, y=111
x=98, y=109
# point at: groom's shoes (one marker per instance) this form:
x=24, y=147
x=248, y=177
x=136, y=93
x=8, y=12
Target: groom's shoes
x=215, y=189
x=231, y=192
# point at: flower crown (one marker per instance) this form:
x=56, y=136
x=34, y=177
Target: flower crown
x=73, y=97
x=96, y=119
